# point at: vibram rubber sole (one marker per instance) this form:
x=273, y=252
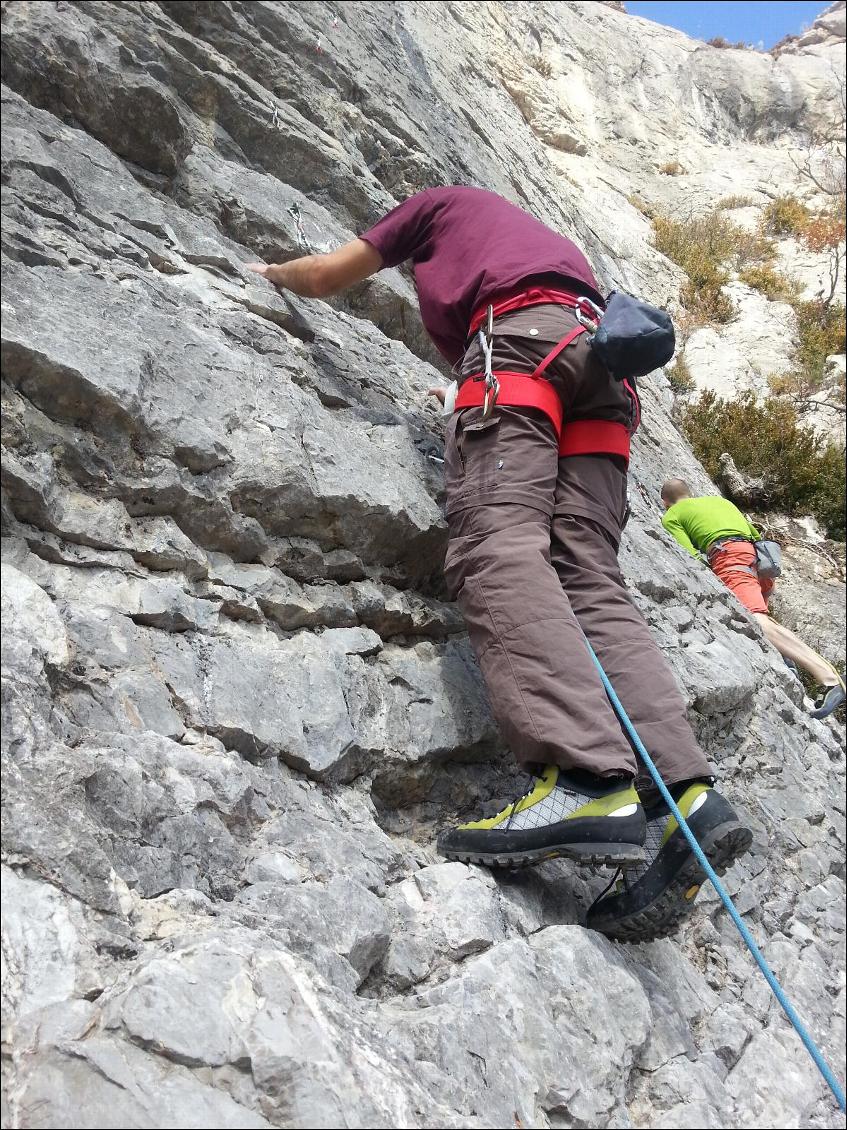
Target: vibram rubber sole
x=722, y=846
x=614, y=855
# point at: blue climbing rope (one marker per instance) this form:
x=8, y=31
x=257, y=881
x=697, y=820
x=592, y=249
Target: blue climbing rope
x=743, y=930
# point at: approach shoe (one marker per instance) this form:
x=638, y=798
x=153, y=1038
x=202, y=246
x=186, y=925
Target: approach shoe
x=558, y=817
x=651, y=899
x=830, y=702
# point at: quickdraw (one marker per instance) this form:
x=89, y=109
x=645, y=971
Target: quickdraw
x=294, y=211
x=492, y=385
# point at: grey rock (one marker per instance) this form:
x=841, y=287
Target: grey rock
x=69, y=1085
x=340, y=914
x=236, y=705
x=273, y=867
x=449, y=911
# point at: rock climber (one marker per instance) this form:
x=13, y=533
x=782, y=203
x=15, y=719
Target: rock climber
x=535, y=509
x=715, y=527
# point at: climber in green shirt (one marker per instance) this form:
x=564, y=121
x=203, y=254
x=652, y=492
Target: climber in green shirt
x=698, y=522
x=713, y=526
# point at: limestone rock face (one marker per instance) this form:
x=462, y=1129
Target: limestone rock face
x=678, y=126
x=236, y=704
x=826, y=33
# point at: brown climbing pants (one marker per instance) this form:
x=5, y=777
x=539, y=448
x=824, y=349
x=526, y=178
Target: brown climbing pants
x=532, y=558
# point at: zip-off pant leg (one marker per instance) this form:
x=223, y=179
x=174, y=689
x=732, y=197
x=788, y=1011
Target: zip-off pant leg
x=544, y=690
x=590, y=501
x=735, y=565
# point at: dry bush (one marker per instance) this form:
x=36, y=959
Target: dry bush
x=821, y=331
x=641, y=205
x=774, y=285
x=719, y=41
x=679, y=377
x=824, y=231
x=785, y=215
x=825, y=234
x=707, y=247
x=700, y=246
x=752, y=248
x=706, y=303
x=734, y=201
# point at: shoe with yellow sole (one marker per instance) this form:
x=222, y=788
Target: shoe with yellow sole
x=593, y=823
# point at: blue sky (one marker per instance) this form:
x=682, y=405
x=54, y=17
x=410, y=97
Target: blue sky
x=760, y=22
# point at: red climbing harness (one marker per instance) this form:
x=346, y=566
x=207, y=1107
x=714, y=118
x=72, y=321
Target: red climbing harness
x=522, y=390
x=517, y=390
x=519, y=299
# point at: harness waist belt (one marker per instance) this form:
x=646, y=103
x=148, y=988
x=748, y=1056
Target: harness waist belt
x=577, y=437
x=519, y=299
x=719, y=543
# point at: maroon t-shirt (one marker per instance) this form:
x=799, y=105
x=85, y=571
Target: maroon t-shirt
x=468, y=246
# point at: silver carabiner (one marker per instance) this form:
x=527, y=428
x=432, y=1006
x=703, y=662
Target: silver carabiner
x=492, y=385
x=591, y=323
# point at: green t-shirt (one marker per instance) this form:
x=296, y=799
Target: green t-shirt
x=697, y=522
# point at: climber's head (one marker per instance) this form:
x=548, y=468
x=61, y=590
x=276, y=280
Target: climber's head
x=673, y=490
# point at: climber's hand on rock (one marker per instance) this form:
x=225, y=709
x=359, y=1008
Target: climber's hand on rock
x=273, y=272
x=317, y=276
x=438, y=393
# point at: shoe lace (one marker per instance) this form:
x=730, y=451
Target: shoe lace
x=618, y=879
x=513, y=807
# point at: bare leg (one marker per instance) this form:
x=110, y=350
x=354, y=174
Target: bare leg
x=792, y=647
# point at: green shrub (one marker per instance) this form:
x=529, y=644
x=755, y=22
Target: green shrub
x=803, y=472
x=828, y=498
x=700, y=245
x=822, y=333
x=775, y=286
x=706, y=302
x=785, y=215
x=706, y=247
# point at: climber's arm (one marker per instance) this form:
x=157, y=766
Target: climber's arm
x=676, y=529
x=316, y=276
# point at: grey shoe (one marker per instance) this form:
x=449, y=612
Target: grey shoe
x=830, y=702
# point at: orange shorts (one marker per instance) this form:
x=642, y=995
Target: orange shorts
x=735, y=565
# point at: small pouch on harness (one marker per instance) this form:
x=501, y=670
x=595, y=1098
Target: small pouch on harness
x=632, y=337
x=768, y=559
